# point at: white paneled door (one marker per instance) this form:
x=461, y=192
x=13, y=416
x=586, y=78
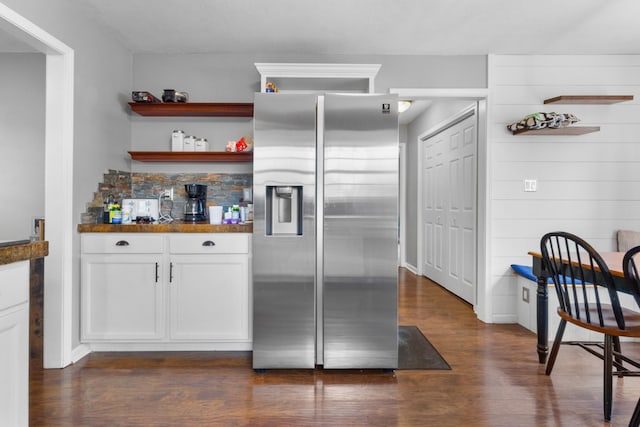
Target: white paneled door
x=449, y=206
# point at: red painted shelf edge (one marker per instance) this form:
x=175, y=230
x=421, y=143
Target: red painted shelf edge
x=190, y=156
x=193, y=109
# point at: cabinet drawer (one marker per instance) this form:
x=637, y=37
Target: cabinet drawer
x=209, y=243
x=122, y=243
x=14, y=284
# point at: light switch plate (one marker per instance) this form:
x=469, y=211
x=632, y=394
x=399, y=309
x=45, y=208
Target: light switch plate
x=530, y=185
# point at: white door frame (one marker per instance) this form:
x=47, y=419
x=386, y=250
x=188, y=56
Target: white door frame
x=402, y=202
x=481, y=96
x=58, y=276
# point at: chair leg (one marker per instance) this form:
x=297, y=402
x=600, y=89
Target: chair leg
x=635, y=418
x=618, y=349
x=608, y=376
x=556, y=346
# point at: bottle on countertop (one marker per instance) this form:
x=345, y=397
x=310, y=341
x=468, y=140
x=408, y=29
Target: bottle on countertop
x=106, y=209
x=115, y=214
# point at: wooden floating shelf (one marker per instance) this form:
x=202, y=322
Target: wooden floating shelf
x=588, y=99
x=191, y=156
x=193, y=109
x=569, y=130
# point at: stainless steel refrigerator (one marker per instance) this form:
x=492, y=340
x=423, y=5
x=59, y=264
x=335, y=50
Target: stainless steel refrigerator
x=325, y=236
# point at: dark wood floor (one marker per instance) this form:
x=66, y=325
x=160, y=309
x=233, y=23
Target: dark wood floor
x=495, y=381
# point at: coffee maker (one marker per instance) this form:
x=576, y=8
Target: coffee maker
x=196, y=207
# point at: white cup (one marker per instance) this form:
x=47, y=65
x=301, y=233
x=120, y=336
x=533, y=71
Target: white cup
x=215, y=214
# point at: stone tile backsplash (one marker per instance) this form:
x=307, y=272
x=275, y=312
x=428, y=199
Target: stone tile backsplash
x=223, y=189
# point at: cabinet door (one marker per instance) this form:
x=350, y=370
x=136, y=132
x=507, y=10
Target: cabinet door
x=14, y=344
x=14, y=365
x=209, y=297
x=122, y=297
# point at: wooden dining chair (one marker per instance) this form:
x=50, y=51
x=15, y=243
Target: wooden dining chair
x=630, y=267
x=588, y=299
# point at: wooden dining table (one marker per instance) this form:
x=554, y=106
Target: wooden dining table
x=613, y=261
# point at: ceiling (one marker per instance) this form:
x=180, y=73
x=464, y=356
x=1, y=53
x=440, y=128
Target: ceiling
x=412, y=27
x=366, y=27
x=352, y=27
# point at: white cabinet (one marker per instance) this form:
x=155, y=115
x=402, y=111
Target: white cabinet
x=209, y=297
x=166, y=291
x=209, y=287
x=122, y=292
x=318, y=78
x=122, y=297
x=14, y=342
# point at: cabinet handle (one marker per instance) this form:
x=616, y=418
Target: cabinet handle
x=170, y=272
x=208, y=243
x=122, y=243
x=157, y=277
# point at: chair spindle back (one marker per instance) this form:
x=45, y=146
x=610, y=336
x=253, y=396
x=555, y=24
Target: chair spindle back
x=575, y=267
x=630, y=267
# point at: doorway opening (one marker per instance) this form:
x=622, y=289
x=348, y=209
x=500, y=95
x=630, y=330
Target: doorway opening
x=59, y=275
x=414, y=244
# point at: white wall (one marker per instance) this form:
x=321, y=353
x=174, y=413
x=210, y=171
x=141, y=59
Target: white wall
x=102, y=85
x=234, y=78
x=22, y=77
x=587, y=185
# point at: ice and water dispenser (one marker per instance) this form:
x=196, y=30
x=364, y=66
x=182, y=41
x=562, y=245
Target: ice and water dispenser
x=284, y=210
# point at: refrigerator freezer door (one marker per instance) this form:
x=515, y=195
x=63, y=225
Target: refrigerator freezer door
x=284, y=259
x=360, y=231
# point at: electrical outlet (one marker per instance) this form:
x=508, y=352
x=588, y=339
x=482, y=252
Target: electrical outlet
x=169, y=193
x=525, y=295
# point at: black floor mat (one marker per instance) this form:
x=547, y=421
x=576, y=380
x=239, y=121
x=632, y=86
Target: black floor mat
x=416, y=352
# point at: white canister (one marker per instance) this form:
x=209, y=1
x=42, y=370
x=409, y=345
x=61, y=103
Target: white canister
x=189, y=143
x=177, y=140
x=202, y=144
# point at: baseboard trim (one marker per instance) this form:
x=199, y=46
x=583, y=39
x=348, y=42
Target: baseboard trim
x=79, y=352
x=411, y=268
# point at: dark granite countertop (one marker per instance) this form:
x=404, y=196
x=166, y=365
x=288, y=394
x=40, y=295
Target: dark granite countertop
x=23, y=251
x=174, y=227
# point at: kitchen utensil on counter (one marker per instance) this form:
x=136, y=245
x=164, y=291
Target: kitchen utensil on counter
x=165, y=202
x=215, y=214
x=135, y=208
x=196, y=207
